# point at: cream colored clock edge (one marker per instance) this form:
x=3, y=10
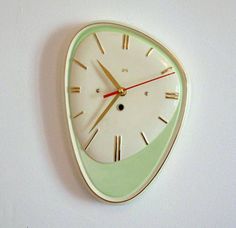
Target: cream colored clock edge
x=78, y=149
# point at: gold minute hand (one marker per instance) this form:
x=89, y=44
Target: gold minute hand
x=105, y=111
x=109, y=75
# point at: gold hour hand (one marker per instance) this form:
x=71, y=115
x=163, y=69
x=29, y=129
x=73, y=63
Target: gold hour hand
x=109, y=76
x=105, y=111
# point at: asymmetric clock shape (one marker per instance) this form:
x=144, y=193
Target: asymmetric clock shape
x=125, y=99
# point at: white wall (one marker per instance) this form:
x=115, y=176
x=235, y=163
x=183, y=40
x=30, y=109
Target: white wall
x=39, y=183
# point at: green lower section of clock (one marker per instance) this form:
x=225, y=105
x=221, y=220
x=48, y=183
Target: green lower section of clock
x=121, y=180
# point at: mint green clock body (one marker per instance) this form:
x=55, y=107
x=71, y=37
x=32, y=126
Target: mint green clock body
x=125, y=96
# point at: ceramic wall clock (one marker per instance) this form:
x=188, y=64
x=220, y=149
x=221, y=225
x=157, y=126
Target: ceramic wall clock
x=125, y=96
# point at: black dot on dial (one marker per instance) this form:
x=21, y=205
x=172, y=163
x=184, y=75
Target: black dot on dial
x=120, y=107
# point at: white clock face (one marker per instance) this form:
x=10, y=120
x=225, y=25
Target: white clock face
x=118, y=126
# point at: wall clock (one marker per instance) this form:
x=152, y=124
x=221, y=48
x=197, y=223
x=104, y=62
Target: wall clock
x=125, y=96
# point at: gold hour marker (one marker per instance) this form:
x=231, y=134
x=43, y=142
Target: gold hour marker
x=118, y=144
x=149, y=52
x=80, y=64
x=144, y=138
x=75, y=89
x=80, y=113
x=125, y=44
x=172, y=95
x=91, y=139
x=163, y=120
x=167, y=69
x=99, y=43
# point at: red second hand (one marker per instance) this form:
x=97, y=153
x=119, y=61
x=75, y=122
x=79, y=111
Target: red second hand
x=139, y=84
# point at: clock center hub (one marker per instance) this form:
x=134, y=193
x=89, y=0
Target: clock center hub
x=122, y=91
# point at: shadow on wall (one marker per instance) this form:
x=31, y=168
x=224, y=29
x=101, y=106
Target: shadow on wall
x=51, y=78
